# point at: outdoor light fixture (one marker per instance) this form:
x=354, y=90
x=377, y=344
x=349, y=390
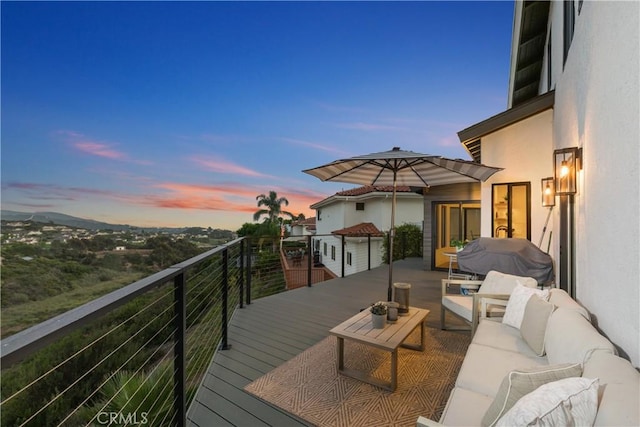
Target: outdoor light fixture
x=548, y=192
x=566, y=162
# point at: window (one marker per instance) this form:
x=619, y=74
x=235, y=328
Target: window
x=569, y=25
x=333, y=252
x=512, y=210
x=349, y=258
x=318, y=216
x=324, y=248
x=360, y=206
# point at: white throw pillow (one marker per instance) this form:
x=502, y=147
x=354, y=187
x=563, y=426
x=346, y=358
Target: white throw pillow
x=567, y=402
x=518, y=302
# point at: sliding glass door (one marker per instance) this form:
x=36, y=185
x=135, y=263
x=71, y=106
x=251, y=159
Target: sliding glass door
x=453, y=221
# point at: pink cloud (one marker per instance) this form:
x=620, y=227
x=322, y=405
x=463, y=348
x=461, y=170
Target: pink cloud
x=314, y=145
x=229, y=197
x=225, y=166
x=98, y=149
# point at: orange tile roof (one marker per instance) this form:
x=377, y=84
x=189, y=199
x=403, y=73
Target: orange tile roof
x=309, y=222
x=359, y=230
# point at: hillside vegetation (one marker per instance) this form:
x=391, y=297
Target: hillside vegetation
x=39, y=282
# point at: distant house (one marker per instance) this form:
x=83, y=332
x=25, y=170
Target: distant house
x=303, y=227
x=351, y=224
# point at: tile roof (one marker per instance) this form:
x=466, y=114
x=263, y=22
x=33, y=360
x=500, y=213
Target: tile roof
x=359, y=230
x=373, y=188
x=307, y=221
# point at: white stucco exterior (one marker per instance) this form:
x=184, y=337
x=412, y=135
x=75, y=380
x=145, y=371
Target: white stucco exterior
x=522, y=149
x=338, y=212
x=597, y=108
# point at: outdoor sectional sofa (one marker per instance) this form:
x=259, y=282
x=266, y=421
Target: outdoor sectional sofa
x=501, y=369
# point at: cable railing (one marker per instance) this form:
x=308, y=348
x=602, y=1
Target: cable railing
x=136, y=355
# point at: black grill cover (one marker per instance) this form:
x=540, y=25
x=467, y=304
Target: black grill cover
x=511, y=256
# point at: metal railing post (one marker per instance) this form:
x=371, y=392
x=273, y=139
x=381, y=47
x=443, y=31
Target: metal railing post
x=309, y=260
x=179, y=350
x=343, y=246
x=249, y=252
x=241, y=278
x=369, y=251
x=225, y=299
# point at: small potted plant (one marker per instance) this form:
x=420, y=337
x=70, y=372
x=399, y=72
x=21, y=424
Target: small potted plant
x=458, y=244
x=378, y=314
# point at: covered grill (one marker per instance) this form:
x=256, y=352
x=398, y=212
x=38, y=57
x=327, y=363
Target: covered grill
x=511, y=256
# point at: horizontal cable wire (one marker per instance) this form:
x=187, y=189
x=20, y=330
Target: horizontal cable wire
x=86, y=347
x=99, y=363
x=165, y=356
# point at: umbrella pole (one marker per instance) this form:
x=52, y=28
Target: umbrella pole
x=392, y=233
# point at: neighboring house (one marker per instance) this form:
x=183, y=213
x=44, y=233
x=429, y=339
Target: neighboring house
x=574, y=84
x=361, y=217
x=303, y=227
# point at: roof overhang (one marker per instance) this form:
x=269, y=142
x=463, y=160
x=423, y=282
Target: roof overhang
x=527, y=49
x=410, y=192
x=470, y=137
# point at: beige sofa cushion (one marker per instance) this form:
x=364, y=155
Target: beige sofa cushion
x=493, y=333
x=570, y=338
x=501, y=283
x=534, y=323
x=483, y=368
x=520, y=382
x=561, y=298
x=619, y=392
x=464, y=408
x=459, y=304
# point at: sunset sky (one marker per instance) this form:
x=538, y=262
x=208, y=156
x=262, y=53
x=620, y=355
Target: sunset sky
x=181, y=113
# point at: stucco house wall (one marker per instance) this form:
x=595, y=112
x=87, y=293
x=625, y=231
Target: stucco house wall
x=597, y=108
x=524, y=151
x=338, y=212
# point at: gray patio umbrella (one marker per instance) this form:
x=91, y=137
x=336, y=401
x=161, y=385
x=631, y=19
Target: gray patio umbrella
x=400, y=167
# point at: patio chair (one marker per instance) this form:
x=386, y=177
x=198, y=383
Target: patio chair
x=496, y=285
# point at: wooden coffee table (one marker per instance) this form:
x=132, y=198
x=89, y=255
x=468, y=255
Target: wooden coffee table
x=359, y=329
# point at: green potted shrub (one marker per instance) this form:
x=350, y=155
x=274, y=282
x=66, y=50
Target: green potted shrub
x=378, y=314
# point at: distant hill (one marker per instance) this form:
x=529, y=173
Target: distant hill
x=72, y=221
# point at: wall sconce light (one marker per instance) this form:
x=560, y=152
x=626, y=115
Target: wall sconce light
x=548, y=192
x=566, y=162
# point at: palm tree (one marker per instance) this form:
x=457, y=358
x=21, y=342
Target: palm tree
x=272, y=207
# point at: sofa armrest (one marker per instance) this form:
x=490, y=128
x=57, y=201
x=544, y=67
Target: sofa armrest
x=479, y=306
x=426, y=422
x=447, y=282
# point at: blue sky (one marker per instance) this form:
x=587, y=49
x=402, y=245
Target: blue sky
x=181, y=113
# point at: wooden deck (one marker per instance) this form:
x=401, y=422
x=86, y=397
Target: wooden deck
x=274, y=329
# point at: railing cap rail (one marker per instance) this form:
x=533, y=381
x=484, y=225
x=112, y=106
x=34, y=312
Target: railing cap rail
x=24, y=343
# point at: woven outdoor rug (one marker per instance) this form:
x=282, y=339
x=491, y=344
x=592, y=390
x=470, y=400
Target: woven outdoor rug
x=310, y=387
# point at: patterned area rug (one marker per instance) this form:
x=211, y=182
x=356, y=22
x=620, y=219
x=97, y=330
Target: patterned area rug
x=310, y=387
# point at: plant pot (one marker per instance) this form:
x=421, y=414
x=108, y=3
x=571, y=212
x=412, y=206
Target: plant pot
x=378, y=320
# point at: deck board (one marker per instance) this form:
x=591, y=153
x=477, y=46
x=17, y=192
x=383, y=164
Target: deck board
x=274, y=329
